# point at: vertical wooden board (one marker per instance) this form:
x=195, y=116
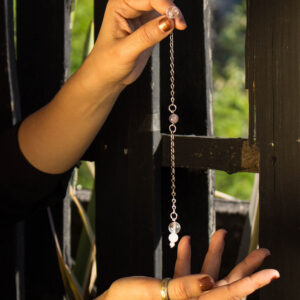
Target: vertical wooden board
x=127, y=209
x=5, y=61
x=128, y=206
x=43, y=49
x=192, y=91
x=276, y=72
x=10, y=245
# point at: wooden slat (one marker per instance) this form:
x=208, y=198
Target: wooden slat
x=127, y=180
x=10, y=108
x=198, y=152
x=11, y=245
x=274, y=66
x=193, y=92
x=43, y=62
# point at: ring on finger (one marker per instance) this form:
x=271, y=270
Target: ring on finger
x=164, y=289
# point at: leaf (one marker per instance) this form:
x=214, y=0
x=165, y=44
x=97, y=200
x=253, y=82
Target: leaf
x=89, y=40
x=72, y=287
x=83, y=264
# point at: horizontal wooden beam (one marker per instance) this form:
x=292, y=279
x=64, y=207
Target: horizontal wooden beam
x=229, y=155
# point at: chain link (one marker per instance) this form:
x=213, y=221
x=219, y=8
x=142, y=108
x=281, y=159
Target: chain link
x=172, y=129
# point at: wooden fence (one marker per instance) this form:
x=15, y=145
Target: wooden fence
x=132, y=182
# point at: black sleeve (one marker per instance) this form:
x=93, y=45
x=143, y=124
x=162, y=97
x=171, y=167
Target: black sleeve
x=23, y=188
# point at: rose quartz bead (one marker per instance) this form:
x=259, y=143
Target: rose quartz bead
x=173, y=118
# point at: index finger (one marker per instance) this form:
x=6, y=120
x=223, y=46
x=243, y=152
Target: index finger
x=183, y=261
x=213, y=258
x=161, y=6
x=243, y=287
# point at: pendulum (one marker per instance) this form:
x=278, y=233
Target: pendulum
x=174, y=227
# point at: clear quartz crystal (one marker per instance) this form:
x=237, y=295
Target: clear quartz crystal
x=172, y=12
x=173, y=238
x=174, y=227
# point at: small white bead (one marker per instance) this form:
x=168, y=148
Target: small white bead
x=173, y=237
x=172, y=12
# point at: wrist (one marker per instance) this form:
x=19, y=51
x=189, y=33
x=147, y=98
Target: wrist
x=94, y=81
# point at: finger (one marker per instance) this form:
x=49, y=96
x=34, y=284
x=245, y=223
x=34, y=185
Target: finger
x=242, y=287
x=183, y=261
x=189, y=286
x=146, y=36
x=213, y=258
x=135, y=8
x=162, y=5
x=248, y=265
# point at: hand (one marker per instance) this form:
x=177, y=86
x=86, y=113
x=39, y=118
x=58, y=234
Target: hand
x=128, y=33
x=204, y=286
x=54, y=138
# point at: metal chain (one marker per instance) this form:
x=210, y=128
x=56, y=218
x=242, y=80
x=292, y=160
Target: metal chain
x=172, y=128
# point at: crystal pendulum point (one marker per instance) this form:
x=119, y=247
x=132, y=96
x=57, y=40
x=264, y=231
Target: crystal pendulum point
x=172, y=12
x=174, y=228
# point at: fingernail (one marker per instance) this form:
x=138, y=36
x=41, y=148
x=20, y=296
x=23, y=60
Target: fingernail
x=165, y=24
x=268, y=252
x=182, y=20
x=276, y=276
x=206, y=283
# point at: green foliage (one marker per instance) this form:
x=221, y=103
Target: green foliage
x=230, y=97
x=81, y=26
x=85, y=179
x=238, y=185
x=82, y=40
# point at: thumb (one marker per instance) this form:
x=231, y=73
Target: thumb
x=147, y=36
x=189, y=287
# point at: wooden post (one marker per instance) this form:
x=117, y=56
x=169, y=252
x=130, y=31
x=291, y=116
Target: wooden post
x=131, y=205
x=193, y=93
x=273, y=59
x=127, y=180
x=11, y=245
x=43, y=34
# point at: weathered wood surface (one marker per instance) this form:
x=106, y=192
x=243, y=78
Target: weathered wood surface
x=43, y=34
x=10, y=110
x=230, y=155
x=133, y=204
x=273, y=76
x=128, y=220
x=11, y=246
x=193, y=93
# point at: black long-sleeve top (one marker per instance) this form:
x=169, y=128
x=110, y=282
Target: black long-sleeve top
x=23, y=188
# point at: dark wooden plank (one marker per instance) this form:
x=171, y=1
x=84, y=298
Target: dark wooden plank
x=10, y=108
x=202, y=152
x=43, y=63
x=128, y=214
x=275, y=74
x=127, y=180
x=193, y=99
x=11, y=245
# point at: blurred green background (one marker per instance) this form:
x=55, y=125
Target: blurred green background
x=230, y=97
